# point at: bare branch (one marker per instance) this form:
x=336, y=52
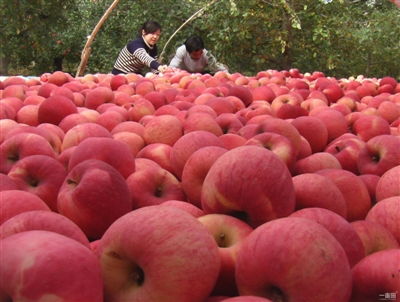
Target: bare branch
x=196, y=14
x=87, y=50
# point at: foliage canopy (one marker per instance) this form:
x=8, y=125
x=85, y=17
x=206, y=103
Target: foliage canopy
x=339, y=37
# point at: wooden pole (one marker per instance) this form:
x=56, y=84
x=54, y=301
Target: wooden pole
x=87, y=50
x=183, y=24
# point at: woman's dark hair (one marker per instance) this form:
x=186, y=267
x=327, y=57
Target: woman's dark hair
x=150, y=27
x=194, y=43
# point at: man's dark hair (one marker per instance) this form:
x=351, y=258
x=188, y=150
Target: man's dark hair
x=194, y=43
x=150, y=27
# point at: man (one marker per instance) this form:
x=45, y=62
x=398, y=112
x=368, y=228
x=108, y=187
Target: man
x=194, y=58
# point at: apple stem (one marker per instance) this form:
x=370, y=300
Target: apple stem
x=138, y=275
x=13, y=157
x=276, y=294
x=376, y=158
x=158, y=191
x=222, y=240
x=71, y=182
x=33, y=182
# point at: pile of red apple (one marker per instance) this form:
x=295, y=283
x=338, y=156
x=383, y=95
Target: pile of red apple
x=181, y=187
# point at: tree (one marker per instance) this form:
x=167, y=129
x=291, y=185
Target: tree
x=36, y=34
x=339, y=37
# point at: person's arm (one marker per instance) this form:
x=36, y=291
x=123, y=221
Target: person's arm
x=146, y=59
x=177, y=60
x=213, y=65
x=142, y=55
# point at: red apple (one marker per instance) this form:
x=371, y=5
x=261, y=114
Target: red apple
x=159, y=153
x=221, y=105
x=109, y=150
x=68, y=270
x=293, y=259
x=28, y=115
x=72, y=120
x=129, y=126
x=353, y=190
x=282, y=127
x=155, y=254
x=374, y=236
x=229, y=234
x=91, y=114
x=313, y=130
x=369, y=126
x=58, y=78
x=340, y=228
x=278, y=144
x=139, y=108
x=94, y=195
x=388, y=184
x=117, y=81
x=45, y=89
x=347, y=101
x=229, y=122
x=64, y=91
x=196, y=169
x=53, y=135
x=334, y=121
x=45, y=221
x=242, y=92
x=82, y=131
x=167, y=109
x=185, y=206
x=14, y=202
x=371, y=181
x=264, y=93
x=380, y=154
x=53, y=109
x=377, y=277
x=110, y=118
x=16, y=90
x=333, y=92
x=251, y=183
x=237, y=299
x=153, y=186
x=189, y=143
x=346, y=148
x=199, y=121
x=6, y=125
x=315, y=162
x=134, y=141
x=314, y=190
x=287, y=105
x=22, y=145
x=6, y=183
x=166, y=129
x=389, y=110
x=231, y=140
x=386, y=212
x=41, y=175
x=97, y=96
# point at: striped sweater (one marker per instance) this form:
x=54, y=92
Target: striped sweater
x=136, y=56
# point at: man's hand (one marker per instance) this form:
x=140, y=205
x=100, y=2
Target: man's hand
x=162, y=68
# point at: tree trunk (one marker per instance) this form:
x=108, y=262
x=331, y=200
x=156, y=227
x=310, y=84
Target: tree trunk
x=4, y=62
x=57, y=63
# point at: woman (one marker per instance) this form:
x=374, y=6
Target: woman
x=140, y=53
